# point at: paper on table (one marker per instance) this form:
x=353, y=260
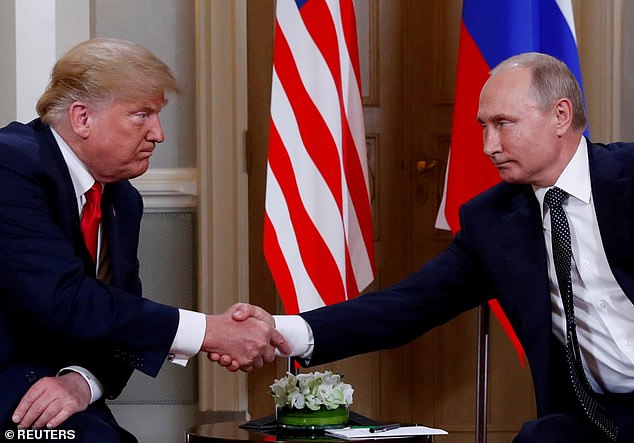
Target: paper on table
x=364, y=433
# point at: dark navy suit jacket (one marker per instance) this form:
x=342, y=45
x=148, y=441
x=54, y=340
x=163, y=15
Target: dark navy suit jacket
x=499, y=253
x=53, y=312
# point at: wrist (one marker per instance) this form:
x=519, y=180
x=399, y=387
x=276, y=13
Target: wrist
x=94, y=385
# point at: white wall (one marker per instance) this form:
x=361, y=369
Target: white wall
x=33, y=34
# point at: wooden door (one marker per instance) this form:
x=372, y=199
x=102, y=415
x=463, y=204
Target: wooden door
x=409, y=67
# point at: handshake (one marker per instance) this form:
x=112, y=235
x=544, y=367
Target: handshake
x=242, y=338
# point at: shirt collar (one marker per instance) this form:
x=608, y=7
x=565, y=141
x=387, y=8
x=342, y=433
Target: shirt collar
x=575, y=178
x=79, y=174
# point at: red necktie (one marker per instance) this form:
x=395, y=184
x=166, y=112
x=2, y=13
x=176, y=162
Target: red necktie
x=90, y=218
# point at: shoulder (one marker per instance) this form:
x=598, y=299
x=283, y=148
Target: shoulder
x=488, y=214
x=124, y=196
x=617, y=158
x=23, y=145
x=500, y=197
x=617, y=150
x=29, y=133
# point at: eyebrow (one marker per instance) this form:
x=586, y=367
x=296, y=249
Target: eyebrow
x=153, y=108
x=149, y=109
x=495, y=117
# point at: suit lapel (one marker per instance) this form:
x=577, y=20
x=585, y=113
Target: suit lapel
x=612, y=196
x=64, y=193
x=528, y=289
x=526, y=267
x=122, y=214
x=110, y=230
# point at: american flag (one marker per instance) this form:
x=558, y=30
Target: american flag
x=318, y=228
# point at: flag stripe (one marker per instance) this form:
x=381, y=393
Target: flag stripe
x=285, y=240
x=321, y=23
x=280, y=239
x=335, y=52
x=314, y=130
x=316, y=256
x=350, y=35
x=315, y=194
x=279, y=269
x=318, y=229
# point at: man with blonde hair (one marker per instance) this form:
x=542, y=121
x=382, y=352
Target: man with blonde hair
x=73, y=324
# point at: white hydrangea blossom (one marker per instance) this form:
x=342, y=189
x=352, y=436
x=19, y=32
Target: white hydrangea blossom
x=312, y=391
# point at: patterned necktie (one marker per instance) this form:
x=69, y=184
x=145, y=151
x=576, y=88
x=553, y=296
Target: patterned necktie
x=90, y=218
x=562, y=255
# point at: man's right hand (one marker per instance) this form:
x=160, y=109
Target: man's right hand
x=243, y=337
x=51, y=400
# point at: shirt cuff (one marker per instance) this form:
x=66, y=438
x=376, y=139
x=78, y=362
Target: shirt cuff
x=96, y=388
x=297, y=333
x=189, y=336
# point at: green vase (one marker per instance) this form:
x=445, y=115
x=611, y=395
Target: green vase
x=312, y=420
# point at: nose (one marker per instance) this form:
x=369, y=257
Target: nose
x=155, y=133
x=491, y=142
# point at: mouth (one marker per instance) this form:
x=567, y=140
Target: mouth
x=147, y=152
x=500, y=163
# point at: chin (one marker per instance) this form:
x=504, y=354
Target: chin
x=142, y=169
x=137, y=174
x=129, y=174
x=510, y=178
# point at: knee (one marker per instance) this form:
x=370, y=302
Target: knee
x=93, y=428
x=536, y=431
x=556, y=428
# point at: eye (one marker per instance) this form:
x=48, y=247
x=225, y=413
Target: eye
x=139, y=118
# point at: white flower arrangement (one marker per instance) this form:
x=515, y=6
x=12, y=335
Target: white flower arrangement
x=313, y=391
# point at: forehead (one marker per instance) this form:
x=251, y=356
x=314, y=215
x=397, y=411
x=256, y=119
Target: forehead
x=506, y=90
x=132, y=104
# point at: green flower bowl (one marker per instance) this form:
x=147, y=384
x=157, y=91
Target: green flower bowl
x=312, y=420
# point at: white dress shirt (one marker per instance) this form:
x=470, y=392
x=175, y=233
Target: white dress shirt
x=603, y=313
x=298, y=335
x=191, y=325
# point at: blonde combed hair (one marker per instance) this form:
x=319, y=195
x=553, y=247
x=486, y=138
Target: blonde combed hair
x=101, y=70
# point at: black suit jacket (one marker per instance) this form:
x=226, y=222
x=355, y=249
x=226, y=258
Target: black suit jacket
x=53, y=312
x=499, y=253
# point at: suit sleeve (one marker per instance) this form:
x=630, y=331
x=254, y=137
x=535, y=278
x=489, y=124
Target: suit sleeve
x=446, y=286
x=50, y=306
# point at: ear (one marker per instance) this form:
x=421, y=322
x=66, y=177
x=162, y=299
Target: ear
x=563, y=115
x=79, y=116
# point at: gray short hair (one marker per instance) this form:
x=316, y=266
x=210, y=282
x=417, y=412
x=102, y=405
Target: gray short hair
x=551, y=80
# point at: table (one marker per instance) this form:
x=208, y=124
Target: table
x=229, y=432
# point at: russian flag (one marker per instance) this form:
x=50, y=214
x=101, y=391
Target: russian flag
x=492, y=31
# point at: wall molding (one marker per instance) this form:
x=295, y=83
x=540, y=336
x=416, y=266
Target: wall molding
x=168, y=190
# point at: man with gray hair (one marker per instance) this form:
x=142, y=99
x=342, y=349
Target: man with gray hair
x=553, y=243
x=73, y=324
